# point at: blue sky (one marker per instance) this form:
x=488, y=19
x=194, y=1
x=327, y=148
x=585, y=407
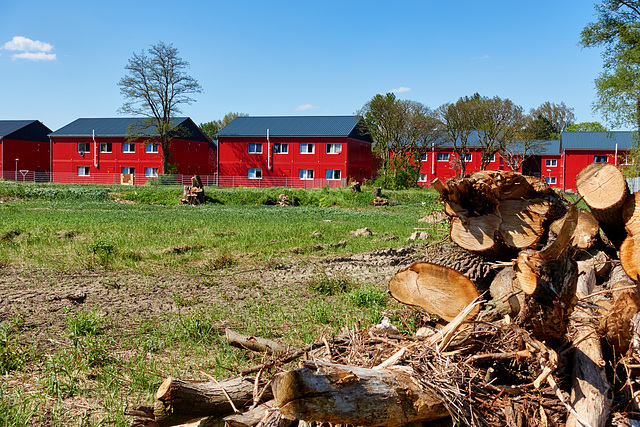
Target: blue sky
x=61, y=60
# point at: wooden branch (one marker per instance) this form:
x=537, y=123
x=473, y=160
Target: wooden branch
x=257, y=344
x=340, y=394
x=179, y=401
x=590, y=389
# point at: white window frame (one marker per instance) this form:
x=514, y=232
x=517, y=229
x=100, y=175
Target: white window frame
x=83, y=171
x=281, y=148
x=423, y=157
x=257, y=148
x=130, y=147
x=550, y=163
x=254, y=173
x=596, y=159
x=108, y=147
x=128, y=170
x=151, y=172
x=422, y=177
x=551, y=180
x=468, y=157
x=439, y=157
x=334, y=148
x=308, y=145
x=330, y=174
x=303, y=174
x=84, y=147
x=151, y=148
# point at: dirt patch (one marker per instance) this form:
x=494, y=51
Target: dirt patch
x=43, y=298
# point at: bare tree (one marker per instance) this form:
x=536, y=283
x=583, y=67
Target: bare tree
x=155, y=87
x=458, y=122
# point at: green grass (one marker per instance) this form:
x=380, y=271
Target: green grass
x=51, y=235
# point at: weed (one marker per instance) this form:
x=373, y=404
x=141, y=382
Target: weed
x=328, y=286
x=182, y=301
x=84, y=325
x=104, y=250
x=12, y=354
x=368, y=296
x=221, y=262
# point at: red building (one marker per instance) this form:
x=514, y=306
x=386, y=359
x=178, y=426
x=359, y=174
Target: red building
x=579, y=149
x=24, y=150
x=294, y=151
x=102, y=151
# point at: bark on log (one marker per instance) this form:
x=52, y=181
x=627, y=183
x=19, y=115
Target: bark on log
x=257, y=344
x=342, y=394
x=179, y=401
x=590, y=391
x=476, y=267
x=604, y=189
x=616, y=324
x=249, y=418
x=439, y=290
x=630, y=248
x=505, y=288
x=548, y=278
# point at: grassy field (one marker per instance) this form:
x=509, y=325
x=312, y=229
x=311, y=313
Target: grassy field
x=162, y=281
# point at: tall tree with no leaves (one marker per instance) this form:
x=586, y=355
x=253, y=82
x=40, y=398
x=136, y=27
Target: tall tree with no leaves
x=155, y=87
x=558, y=115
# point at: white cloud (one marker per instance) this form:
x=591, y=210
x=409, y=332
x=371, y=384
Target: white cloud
x=37, y=56
x=33, y=50
x=27, y=45
x=401, y=89
x=304, y=107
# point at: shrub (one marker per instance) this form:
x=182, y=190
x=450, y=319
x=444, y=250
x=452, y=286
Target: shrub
x=368, y=297
x=328, y=286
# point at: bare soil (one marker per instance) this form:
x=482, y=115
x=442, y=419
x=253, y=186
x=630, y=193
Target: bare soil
x=42, y=298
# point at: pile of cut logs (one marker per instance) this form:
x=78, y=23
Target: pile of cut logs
x=193, y=194
x=531, y=318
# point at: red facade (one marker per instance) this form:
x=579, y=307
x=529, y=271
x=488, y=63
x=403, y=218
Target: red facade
x=332, y=152
x=103, y=158
x=24, y=151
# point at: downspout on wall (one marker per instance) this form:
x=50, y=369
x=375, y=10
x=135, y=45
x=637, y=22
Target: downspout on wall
x=2, y=157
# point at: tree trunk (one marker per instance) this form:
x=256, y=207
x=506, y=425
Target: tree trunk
x=548, y=278
x=439, y=290
x=590, y=389
x=340, y=394
x=179, y=401
x=604, y=189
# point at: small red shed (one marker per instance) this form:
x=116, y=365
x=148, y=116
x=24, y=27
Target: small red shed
x=104, y=151
x=24, y=150
x=294, y=151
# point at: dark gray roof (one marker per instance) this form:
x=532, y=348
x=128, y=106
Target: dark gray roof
x=551, y=147
x=599, y=140
x=25, y=130
x=118, y=126
x=296, y=126
x=7, y=127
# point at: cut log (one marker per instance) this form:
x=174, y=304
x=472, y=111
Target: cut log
x=521, y=225
x=590, y=391
x=586, y=232
x=630, y=248
x=179, y=401
x=340, y=394
x=249, y=418
x=477, y=233
x=196, y=181
x=439, y=290
x=257, y=344
x=604, y=189
x=505, y=288
x=548, y=278
x=476, y=267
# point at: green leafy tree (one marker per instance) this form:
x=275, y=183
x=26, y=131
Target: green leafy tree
x=459, y=122
x=399, y=129
x=155, y=87
x=558, y=116
x=213, y=127
x=617, y=30
x=539, y=127
x=587, y=127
